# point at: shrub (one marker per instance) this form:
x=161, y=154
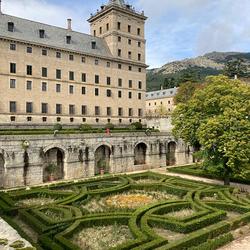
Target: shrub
x=57, y=126
x=109, y=126
x=136, y=126
x=85, y=127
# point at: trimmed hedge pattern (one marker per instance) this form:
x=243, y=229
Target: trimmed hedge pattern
x=208, y=227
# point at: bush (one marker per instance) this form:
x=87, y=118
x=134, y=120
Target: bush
x=136, y=126
x=109, y=126
x=85, y=127
x=57, y=126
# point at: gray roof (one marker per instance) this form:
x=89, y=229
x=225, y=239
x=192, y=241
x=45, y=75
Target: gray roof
x=28, y=31
x=163, y=93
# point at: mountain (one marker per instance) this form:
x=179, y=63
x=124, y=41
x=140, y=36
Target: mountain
x=173, y=73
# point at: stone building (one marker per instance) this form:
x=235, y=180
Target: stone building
x=50, y=74
x=159, y=106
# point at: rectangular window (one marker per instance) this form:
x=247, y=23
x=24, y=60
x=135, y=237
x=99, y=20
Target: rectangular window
x=71, y=109
x=130, y=68
x=129, y=55
x=139, y=57
x=129, y=41
x=139, y=85
x=44, y=86
x=118, y=25
x=129, y=28
x=119, y=39
x=109, y=93
x=44, y=72
x=100, y=30
x=96, y=79
x=71, y=76
x=108, y=80
x=140, y=112
x=29, y=70
x=29, y=49
x=109, y=113
x=107, y=26
x=29, y=85
x=130, y=95
x=119, y=52
x=97, y=110
x=71, y=89
x=58, y=88
x=96, y=61
x=120, y=111
x=71, y=57
x=119, y=94
x=84, y=78
x=84, y=110
x=58, y=74
x=139, y=96
x=108, y=64
x=13, y=68
x=83, y=90
x=139, y=70
x=44, y=52
x=29, y=107
x=58, y=54
x=139, y=44
x=12, y=107
x=119, y=66
x=96, y=92
x=120, y=82
x=12, y=83
x=83, y=59
x=11, y=26
x=130, y=83
x=44, y=108
x=12, y=46
x=130, y=112
x=58, y=109
x=138, y=31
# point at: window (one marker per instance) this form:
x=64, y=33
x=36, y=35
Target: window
x=96, y=61
x=44, y=72
x=109, y=113
x=96, y=120
x=107, y=26
x=84, y=119
x=12, y=118
x=58, y=119
x=119, y=66
x=12, y=83
x=58, y=74
x=11, y=26
x=138, y=31
x=71, y=109
x=140, y=112
x=139, y=44
x=108, y=80
x=58, y=54
x=93, y=44
x=109, y=93
x=130, y=83
x=100, y=30
x=139, y=96
x=119, y=52
x=83, y=90
x=44, y=108
x=29, y=49
x=29, y=70
x=12, y=68
x=12, y=46
x=139, y=85
x=71, y=57
x=83, y=59
x=12, y=107
x=71, y=76
x=71, y=89
x=129, y=41
x=58, y=88
x=58, y=109
x=119, y=93
x=44, y=86
x=129, y=28
x=83, y=77
x=44, y=119
x=139, y=69
x=29, y=119
x=129, y=95
x=29, y=107
x=120, y=82
x=119, y=39
x=169, y=102
x=129, y=55
x=130, y=68
x=94, y=32
x=42, y=33
x=120, y=111
x=84, y=110
x=139, y=57
x=96, y=92
x=68, y=39
x=97, y=110
x=118, y=25
x=96, y=79
x=44, y=52
x=130, y=112
x=108, y=64
x=29, y=85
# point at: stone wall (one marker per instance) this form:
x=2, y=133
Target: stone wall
x=24, y=158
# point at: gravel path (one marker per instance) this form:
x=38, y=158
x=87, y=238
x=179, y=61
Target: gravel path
x=9, y=233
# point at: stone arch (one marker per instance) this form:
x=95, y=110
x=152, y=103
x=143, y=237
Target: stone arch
x=2, y=170
x=171, y=153
x=102, y=158
x=56, y=157
x=140, y=152
x=103, y=144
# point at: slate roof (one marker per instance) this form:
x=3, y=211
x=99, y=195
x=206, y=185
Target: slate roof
x=159, y=94
x=28, y=31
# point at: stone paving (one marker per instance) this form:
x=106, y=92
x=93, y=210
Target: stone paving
x=7, y=232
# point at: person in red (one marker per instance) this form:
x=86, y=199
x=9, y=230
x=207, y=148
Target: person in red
x=107, y=131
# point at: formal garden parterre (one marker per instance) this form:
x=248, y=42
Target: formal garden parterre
x=138, y=211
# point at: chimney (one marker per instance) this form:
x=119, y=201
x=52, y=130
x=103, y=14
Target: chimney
x=69, y=21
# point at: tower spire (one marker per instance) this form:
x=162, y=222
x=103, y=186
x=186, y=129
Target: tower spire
x=1, y=7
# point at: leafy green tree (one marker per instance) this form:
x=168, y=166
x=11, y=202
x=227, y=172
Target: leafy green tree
x=169, y=82
x=217, y=117
x=235, y=67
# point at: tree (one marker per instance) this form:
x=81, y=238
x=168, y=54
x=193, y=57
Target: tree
x=217, y=117
x=235, y=67
x=161, y=111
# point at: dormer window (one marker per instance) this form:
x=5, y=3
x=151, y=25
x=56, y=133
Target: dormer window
x=11, y=26
x=93, y=44
x=42, y=33
x=68, y=39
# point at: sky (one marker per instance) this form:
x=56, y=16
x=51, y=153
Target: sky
x=175, y=29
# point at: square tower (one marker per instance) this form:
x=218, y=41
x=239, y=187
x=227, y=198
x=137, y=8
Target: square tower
x=123, y=29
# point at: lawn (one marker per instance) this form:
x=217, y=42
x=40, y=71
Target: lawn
x=138, y=211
